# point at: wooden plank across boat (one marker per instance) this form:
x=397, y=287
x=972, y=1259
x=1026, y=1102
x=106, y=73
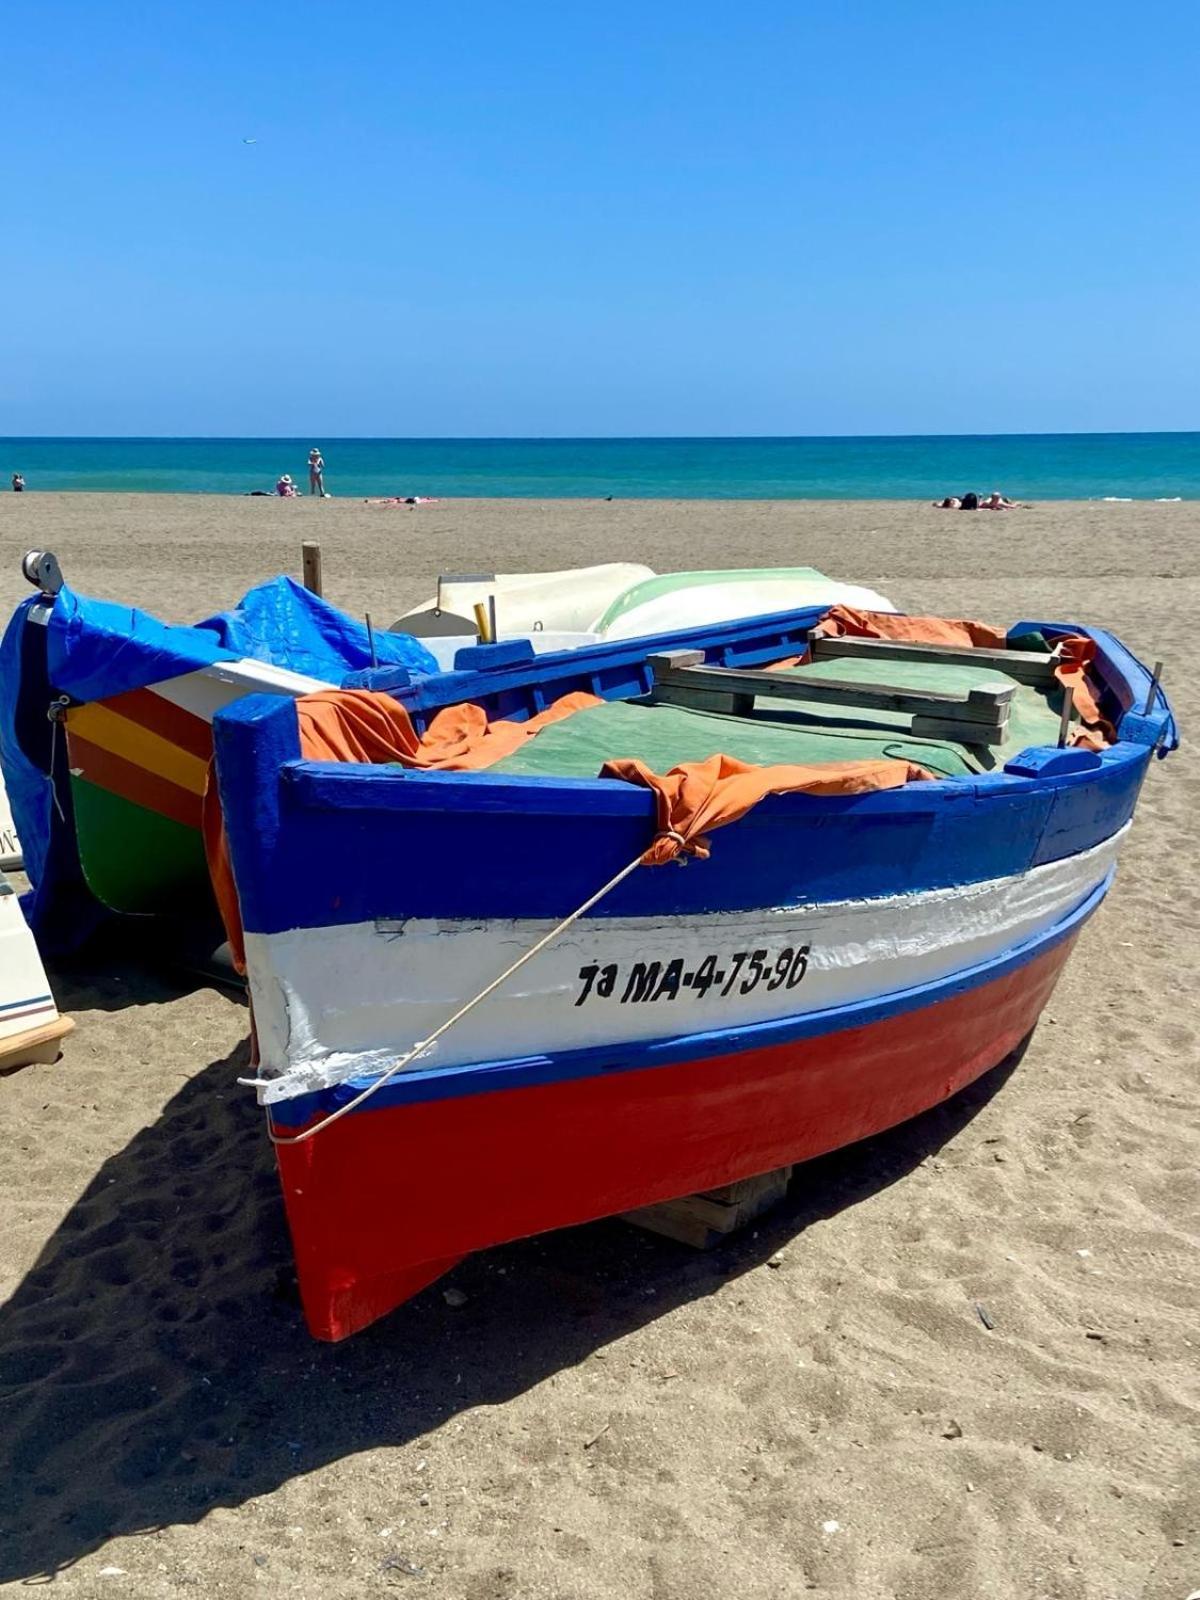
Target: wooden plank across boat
x=1027, y=666
x=978, y=716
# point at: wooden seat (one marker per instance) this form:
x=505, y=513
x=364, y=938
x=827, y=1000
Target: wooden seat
x=1034, y=667
x=980, y=716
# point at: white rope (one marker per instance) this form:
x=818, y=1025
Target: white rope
x=422, y=1045
x=57, y=707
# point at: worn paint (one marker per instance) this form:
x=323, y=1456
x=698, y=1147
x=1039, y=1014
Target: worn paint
x=333, y=1003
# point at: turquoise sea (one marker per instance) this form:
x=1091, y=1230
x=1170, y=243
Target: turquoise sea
x=1064, y=466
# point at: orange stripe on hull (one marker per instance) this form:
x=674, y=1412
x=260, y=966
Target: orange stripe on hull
x=131, y=782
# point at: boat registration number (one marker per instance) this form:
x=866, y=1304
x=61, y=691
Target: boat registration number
x=642, y=982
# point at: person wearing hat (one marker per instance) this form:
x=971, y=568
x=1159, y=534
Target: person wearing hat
x=316, y=472
x=285, y=488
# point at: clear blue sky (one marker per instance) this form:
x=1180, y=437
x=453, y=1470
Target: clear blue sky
x=555, y=217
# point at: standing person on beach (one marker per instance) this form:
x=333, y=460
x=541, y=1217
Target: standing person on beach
x=316, y=472
x=18, y=483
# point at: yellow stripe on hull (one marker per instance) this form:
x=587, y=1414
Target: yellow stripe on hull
x=117, y=734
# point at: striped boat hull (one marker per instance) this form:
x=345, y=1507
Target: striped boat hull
x=139, y=768
x=385, y=1201
x=334, y=1003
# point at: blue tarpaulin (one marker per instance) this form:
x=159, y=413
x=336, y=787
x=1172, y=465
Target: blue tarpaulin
x=97, y=648
x=25, y=753
x=93, y=649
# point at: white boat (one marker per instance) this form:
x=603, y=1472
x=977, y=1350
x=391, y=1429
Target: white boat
x=31, y=1028
x=526, y=602
x=619, y=600
x=673, y=600
x=11, y=859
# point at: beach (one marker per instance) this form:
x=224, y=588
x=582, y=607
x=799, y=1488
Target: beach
x=959, y=1361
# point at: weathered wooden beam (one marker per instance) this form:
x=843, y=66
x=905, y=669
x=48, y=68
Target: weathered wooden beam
x=960, y=732
x=729, y=705
x=310, y=554
x=987, y=706
x=693, y=699
x=1027, y=666
x=705, y=1220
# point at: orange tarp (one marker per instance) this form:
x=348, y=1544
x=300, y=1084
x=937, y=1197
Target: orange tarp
x=358, y=725
x=220, y=870
x=701, y=795
x=362, y=725
x=840, y=621
x=1075, y=655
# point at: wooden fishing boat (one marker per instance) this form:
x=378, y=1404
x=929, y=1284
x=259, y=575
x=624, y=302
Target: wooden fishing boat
x=31, y=1028
x=128, y=742
x=497, y=1008
x=137, y=769
x=106, y=736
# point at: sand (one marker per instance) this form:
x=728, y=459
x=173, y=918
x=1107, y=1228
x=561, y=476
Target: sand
x=609, y=1414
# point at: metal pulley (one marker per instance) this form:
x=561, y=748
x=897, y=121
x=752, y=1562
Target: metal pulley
x=41, y=569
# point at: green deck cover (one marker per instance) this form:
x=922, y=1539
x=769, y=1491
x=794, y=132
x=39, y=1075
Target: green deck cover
x=781, y=733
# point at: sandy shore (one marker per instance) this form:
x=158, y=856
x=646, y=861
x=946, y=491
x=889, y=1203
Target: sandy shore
x=610, y=1415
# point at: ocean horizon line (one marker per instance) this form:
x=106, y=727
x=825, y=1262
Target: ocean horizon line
x=1054, y=466
x=584, y=438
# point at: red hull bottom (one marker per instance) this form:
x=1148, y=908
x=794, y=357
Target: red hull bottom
x=386, y=1200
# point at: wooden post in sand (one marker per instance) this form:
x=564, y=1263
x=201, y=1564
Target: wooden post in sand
x=311, y=555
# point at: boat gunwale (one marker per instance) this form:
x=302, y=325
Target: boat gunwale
x=345, y=786
x=362, y=785
x=744, y=642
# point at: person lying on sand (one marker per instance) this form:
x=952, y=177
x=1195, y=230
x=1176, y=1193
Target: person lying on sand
x=403, y=500
x=974, y=502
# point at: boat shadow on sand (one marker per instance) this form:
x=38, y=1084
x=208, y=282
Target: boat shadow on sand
x=154, y=1364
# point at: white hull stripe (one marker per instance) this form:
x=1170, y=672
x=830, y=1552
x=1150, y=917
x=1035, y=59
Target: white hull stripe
x=340, y=1002
x=208, y=690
